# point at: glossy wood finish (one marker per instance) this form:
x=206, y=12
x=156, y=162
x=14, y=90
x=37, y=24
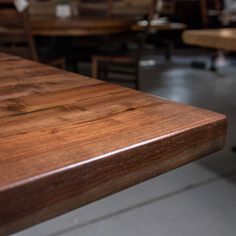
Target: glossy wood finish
x=66, y=140
x=53, y=26
x=213, y=38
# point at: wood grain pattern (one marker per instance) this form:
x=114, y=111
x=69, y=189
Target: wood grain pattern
x=213, y=38
x=66, y=140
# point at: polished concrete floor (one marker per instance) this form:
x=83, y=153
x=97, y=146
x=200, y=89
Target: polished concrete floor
x=197, y=199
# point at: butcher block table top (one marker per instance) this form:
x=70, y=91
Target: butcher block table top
x=67, y=140
x=212, y=38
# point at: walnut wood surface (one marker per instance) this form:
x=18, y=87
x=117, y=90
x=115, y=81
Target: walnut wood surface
x=53, y=26
x=213, y=38
x=67, y=140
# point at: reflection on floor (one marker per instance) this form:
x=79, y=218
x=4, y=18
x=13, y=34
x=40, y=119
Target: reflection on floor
x=197, y=199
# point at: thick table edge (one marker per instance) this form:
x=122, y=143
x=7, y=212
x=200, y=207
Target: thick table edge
x=72, y=192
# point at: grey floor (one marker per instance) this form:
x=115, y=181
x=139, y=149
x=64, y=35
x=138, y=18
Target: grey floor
x=197, y=199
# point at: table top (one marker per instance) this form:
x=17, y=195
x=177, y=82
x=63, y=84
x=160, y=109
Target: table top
x=67, y=140
x=224, y=38
x=54, y=26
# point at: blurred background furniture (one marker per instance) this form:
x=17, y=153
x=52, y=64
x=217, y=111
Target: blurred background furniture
x=217, y=39
x=95, y=8
x=229, y=13
x=193, y=13
x=16, y=35
x=78, y=37
x=212, y=38
x=92, y=24
x=15, y=32
x=161, y=33
x=210, y=10
x=124, y=64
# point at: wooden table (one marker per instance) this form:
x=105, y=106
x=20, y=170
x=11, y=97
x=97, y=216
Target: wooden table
x=67, y=140
x=54, y=26
x=212, y=38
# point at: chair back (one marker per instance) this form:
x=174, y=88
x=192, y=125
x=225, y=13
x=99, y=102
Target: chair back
x=15, y=32
x=143, y=35
x=209, y=8
x=139, y=39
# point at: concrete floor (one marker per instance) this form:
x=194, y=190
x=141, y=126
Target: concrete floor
x=197, y=199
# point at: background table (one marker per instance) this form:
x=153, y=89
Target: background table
x=54, y=26
x=212, y=38
x=66, y=140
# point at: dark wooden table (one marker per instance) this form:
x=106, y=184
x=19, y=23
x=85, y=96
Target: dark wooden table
x=54, y=26
x=67, y=140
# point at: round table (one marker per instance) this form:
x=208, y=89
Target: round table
x=53, y=26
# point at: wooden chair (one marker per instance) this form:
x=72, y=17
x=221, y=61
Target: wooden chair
x=208, y=9
x=123, y=66
x=16, y=36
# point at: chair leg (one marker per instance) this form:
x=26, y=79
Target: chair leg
x=105, y=72
x=234, y=149
x=168, y=51
x=102, y=71
x=137, y=77
x=59, y=63
x=95, y=68
x=213, y=62
x=62, y=64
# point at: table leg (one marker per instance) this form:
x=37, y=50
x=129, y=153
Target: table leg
x=168, y=50
x=234, y=149
x=213, y=62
